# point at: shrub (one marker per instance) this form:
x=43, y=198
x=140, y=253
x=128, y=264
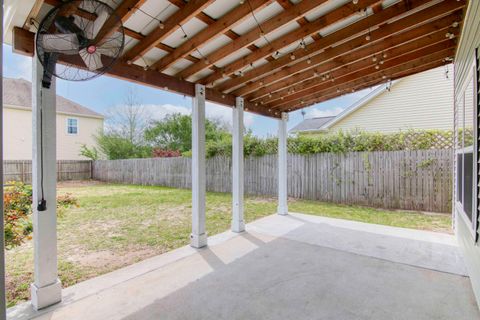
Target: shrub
x=160, y=153
x=17, y=199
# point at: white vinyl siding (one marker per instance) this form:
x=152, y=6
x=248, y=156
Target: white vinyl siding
x=420, y=101
x=17, y=132
x=464, y=66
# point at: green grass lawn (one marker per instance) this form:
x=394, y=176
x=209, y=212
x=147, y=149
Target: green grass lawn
x=117, y=225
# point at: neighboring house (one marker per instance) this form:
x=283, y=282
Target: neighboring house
x=421, y=101
x=76, y=124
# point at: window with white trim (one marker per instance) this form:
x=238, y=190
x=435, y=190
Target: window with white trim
x=466, y=156
x=72, y=126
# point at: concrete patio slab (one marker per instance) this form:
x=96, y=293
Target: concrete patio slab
x=284, y=267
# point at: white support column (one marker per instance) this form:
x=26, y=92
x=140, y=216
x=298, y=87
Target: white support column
x=46, y=288
x=198, y=237
x=238, y=224
x=282, y=165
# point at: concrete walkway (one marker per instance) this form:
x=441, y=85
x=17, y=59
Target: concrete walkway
x=285, y=267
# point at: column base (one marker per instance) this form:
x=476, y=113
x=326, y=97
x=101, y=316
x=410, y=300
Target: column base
x=238, y=226
x=46, y=296
x=283, y=211
x=198, y=240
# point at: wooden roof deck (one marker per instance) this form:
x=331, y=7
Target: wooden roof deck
x=279, y=55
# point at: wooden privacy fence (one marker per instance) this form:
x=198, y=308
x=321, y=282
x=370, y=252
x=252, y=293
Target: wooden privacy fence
x=21, y=170
x=410, y=180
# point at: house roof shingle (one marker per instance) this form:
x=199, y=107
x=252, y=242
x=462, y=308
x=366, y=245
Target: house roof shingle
x=17, y=92
x=311, y=124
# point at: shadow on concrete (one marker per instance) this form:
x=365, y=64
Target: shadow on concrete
x=289, y=279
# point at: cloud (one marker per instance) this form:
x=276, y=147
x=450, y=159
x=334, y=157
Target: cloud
x=215, y=111
x=212, y=111
x=317, y=113
x=158, y=112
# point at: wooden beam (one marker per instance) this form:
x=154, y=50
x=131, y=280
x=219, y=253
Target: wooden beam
x=33, y=14
x=364, y=85
x=23, y=42
x=123, y=11
x=343, y=70
x=192, y=8
x=137, y=74
x=389, y=35
x=230, y=19
x=414, y=59
x=161, y=46
x=296, y=11
x=352, y=30
x=308, y=29
x=79, y=12
x=432, y=32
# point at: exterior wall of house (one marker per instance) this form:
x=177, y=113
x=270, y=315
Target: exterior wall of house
x=464, y=71
x=18, y=134
x=420, y=101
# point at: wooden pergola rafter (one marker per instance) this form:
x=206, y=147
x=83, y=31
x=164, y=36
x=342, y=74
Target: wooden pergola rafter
x=339, y=41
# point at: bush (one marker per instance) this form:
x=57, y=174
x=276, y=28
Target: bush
x=17, y=198
x=160, y=153
x=340, y=142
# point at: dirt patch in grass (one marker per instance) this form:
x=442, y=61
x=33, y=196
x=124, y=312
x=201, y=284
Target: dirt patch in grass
x=110, y=259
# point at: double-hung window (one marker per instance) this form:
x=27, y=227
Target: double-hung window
x=72, y=126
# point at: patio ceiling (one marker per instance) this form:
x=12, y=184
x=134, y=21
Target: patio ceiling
x=279, y=55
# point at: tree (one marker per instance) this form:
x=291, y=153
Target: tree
x=115, y=146
x=129, y=119
x=123, y=137
x=90, y=153
x=174, y=132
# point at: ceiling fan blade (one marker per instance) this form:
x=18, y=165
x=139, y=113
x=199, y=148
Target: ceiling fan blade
x=93, y=61
x=93, y=27
x=110, y=51
x=61, y=43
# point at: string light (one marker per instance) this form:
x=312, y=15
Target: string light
x=368, y=36
x=455, y=24
x=355, y=1
x=292, y=56
x=161, y=25
x=309, y=61
x=377, y=67
x=145, y=68
x=374, y=59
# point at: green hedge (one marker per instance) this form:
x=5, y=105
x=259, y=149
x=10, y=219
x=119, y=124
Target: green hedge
x=341, y=142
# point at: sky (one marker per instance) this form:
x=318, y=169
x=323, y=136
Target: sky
x=104, y=93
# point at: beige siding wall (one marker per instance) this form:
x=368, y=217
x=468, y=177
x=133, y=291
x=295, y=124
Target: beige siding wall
x=68, y=146
x=18, y=135
x=421, y=101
